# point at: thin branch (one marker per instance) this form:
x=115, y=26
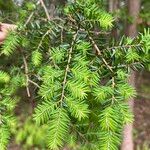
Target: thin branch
x=113, y=86
x=34, y=83
x=31, y=15
x=67, y=68
x=113, y=82
x=95, y=32
x=99, y=53
x=29, y=18
x=43, y=37
x=80, y=134
x=61, y=35
x=26, y=74
x=123, y=46
x=45, y=9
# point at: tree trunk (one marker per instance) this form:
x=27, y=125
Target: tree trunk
x=133, y=12
x=127, y=143
x=131, y=31
x=113, y=8
x=113, y=5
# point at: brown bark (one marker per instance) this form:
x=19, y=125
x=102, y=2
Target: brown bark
x=127, y=143
x=131, y=31
x=133, y=12
x=113, y=8
x=113, y=5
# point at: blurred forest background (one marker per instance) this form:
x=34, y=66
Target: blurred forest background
x=131, y=16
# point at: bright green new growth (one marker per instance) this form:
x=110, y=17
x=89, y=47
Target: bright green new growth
x=4, y=77
x=10, y=43
x=5, y=134
x=36, y=58
x=58, y=127
x=80, y=82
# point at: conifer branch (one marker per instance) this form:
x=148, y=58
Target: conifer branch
x=99, y=53
x=79, y=133
x=29, y=18
x=45, y=9
x=95, y=32
x=70, y=79
x=31, y=15
x=34, y=83
x=123, y=46
x=43, y=37
x=67, y=67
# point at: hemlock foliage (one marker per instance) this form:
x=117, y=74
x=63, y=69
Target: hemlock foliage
x=79, y=79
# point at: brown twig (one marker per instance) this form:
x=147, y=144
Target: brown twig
x=95, y=32
x=34, y=83
x=79, y=133
x=43, y=37
x=61, y=35
x=45, y=9
x=100, y=54
x=113, y=86
x=113, y=82
x=30, y=17
x=67, y=68
x=26, y=74
x=123, y=46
